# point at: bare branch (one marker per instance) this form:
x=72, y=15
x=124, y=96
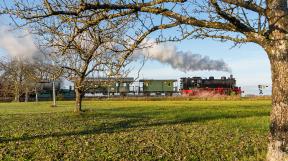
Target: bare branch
x=250, y=5
x=233, y=20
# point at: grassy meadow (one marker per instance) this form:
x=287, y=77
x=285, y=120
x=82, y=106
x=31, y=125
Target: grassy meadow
x=135, y=130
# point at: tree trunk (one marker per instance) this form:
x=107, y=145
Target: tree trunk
x=277, y=50
x=26, y=94
x=278, y=137
x=78, y=87
x=78, y=100
x=16, y=93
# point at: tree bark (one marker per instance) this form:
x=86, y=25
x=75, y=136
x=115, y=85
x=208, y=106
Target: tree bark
x=16, y=93
x=78, y=101
x=79, y=94
x=277, y=51
x=278, y=137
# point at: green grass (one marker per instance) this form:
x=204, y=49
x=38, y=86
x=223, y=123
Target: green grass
x=135, y=130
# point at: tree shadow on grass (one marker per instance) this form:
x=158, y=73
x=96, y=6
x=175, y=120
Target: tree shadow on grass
x=136, y=119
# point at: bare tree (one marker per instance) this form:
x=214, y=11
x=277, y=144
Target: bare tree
x=263, y=22
x=21, y=76
x=87, y=56
x=15, y=77
x=97, y=51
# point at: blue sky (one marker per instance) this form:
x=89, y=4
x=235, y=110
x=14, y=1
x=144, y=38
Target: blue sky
x=249, y=63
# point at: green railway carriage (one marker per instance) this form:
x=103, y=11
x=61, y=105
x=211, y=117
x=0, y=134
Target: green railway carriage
x=149, y=86
x=109, y=85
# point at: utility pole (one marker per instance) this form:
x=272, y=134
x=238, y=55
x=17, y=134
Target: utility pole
x=54, y=92
x=36, y=93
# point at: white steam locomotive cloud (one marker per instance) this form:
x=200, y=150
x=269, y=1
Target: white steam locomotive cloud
x=167, y=53
x=17, y=46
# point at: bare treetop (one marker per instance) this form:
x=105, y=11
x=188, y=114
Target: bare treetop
x=209, y=18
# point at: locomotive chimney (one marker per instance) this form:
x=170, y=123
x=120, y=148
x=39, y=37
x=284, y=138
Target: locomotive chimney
x=231, y=76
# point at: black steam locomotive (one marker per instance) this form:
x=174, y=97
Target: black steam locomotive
x=197, y=85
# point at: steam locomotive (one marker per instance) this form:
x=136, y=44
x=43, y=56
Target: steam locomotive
x=197, y=85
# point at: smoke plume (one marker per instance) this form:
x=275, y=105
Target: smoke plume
x=183, y=61
x=17, y=45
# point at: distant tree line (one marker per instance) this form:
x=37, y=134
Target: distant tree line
x=21, y=76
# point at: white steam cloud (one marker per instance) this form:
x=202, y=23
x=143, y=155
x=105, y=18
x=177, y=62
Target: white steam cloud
x=165, y=53
x=17, y=45
x=183, y=61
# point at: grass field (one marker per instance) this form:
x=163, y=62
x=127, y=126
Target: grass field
x=135, y=130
